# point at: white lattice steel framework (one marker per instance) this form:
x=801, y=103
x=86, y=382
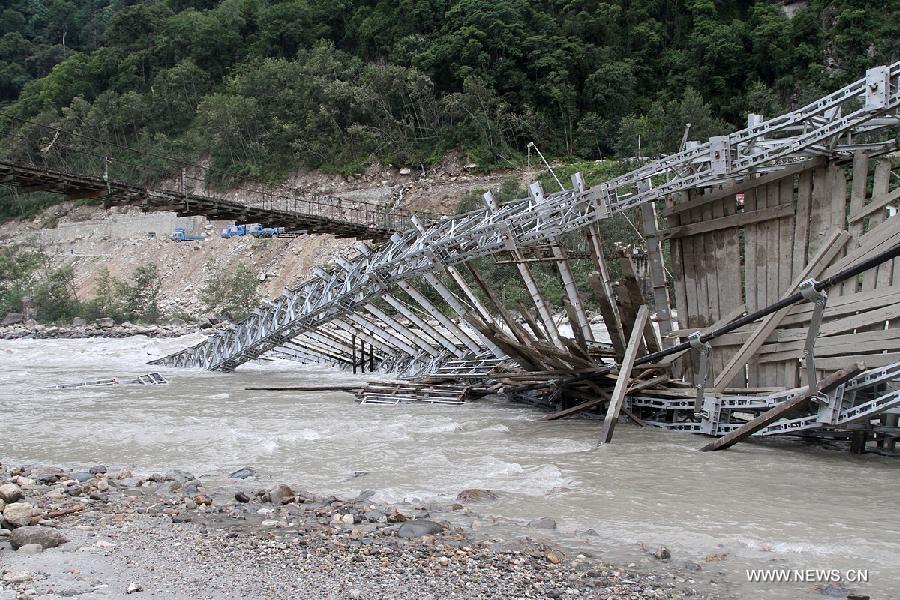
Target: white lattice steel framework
x=315, y=320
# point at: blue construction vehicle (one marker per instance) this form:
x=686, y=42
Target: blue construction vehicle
x=267, y=232
x=256, y=230
x=234, y=231
x=181, y=235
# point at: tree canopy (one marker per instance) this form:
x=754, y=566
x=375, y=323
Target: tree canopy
x=262, y=87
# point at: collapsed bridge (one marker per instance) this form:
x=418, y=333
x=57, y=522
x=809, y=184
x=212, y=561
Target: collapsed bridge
x=748, y=219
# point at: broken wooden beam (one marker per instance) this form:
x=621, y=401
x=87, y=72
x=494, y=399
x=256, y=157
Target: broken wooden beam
x=618, y=395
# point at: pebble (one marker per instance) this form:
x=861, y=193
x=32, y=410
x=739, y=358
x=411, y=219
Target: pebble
x=203, y=500
x=375, y=551
x=10, y=493
x=31, y=549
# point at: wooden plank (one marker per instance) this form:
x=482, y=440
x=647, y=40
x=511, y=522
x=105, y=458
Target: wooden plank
x=783, y=409
x=529, y=320
x=735, y=220
x=633, y=298
x=860, y=342
x=770, y=322
x=730, y=294
x=657, y=268
x=689, y=318
x=710, y=265
x=801, y=221
x=879, y=202
x=873, y=361
x=610, y=317
x=857, y=193
x=880, y=183
x=842, y=305
x=820, y=211
x=738, y=186
x=837, y=182
x=618, y=394
x=718, y=285
x=701, y=259
x=768, y=373
x=786, y=375
x=677, y=270
x=677, y=266
x=877, y=240
x=751, y=239
x=869, y=279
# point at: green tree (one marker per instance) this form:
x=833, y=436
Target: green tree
x=233, y=296
x=54, y=296
x=140, y=297
x=17, y=265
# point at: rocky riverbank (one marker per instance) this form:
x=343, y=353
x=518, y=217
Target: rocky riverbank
x=101, y=533
x=98, y=329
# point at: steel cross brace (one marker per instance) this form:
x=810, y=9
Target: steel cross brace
x=819, y=299
x=703, y=350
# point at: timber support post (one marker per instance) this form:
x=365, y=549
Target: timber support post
x=618, y=394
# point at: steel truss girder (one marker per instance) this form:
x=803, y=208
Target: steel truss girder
x=819, y=127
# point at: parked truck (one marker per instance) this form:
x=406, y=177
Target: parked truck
x=234, y=231
x=181, y=235
x=255, y=229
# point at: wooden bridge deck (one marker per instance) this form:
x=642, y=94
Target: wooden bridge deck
x=364, y=223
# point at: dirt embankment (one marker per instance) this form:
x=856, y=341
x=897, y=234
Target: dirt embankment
x=122, y=239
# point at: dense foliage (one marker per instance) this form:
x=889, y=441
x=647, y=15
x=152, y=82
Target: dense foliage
x=232, y=294
x=31, y=277
x=265, y=86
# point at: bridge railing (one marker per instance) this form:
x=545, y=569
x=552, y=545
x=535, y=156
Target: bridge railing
x=103, y=156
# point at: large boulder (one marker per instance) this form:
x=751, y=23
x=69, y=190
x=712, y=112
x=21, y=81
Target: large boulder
x=418, y=528
x=281, y=494
x=47, y=537
x=18, y=514
x=105, y=323
x=10, y=492
x=13, y=319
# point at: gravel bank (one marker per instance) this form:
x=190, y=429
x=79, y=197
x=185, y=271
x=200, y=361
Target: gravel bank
x=97, y=534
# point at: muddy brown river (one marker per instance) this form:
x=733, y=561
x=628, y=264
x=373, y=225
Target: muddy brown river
x=774, y=505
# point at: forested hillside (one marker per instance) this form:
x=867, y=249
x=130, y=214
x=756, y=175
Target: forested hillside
x=262, y=87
